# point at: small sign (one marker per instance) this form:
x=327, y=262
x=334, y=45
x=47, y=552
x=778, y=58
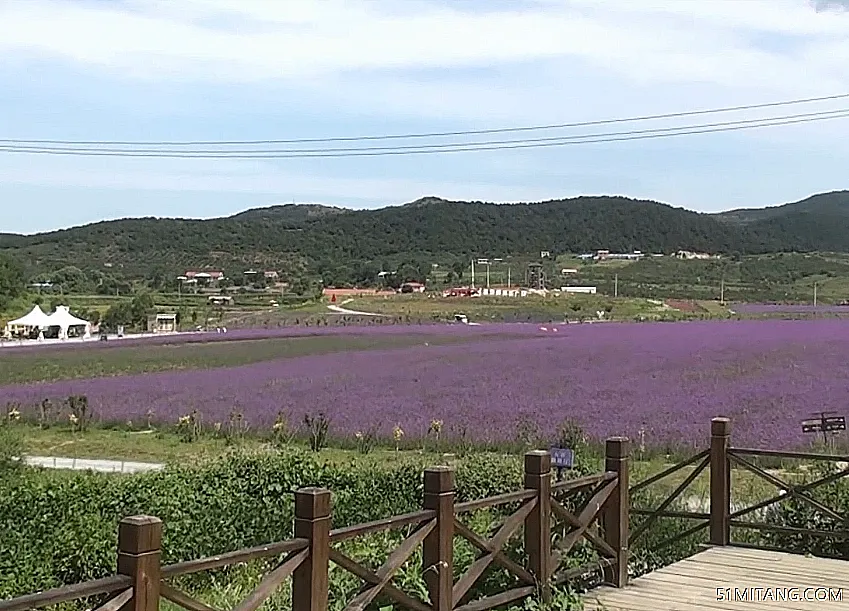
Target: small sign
x=824, y=424
x=562, y=458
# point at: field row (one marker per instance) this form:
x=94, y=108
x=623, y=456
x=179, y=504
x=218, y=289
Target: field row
x=658, y=384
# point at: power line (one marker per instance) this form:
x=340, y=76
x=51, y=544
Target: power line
x=469, y=147
x=453, y=145
x=502, y=130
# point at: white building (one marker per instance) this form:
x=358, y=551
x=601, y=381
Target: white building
x=578, y=289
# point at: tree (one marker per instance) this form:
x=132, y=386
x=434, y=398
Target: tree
x=71, y=279
x=119, y=314
x=11, y=280
x=130, y=313
x=301, y=285
x=458, y=267
x=141, y=306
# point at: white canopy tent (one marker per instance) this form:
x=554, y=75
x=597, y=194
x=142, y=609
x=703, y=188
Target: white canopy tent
x=36, y=318
x=63, y=319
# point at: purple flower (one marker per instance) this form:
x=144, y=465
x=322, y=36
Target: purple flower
x=667, y=380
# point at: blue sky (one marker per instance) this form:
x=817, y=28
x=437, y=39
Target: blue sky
x=279, y=69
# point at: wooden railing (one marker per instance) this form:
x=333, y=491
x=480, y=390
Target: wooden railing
x=719, y=459
x=601, y=521
x=550, y=530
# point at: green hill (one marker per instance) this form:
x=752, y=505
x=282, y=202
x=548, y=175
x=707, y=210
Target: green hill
x=350, y=246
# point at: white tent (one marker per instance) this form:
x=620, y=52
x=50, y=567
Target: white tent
x=35, y=318
x=63, y=319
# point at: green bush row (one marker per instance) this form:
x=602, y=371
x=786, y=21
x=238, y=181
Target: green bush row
x=58, y=528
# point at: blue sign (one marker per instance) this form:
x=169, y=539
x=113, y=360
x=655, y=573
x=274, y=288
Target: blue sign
x=562, y=458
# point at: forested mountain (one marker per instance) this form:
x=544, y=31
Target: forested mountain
x=290, y=214
x=823, y=205
x=313, y=239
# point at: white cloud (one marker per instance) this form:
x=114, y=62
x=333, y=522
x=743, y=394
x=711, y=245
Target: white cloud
x=520, y=62
x=222, y=40
x=535, y=60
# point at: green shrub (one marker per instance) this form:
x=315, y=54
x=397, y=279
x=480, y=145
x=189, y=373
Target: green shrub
x=11, y=445
x=58, y=528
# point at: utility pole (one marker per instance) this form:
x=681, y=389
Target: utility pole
x=616, y=285
x=473, y=273
x=722, y=291
x=508, y=277
x=487, y=275
x=815, y=294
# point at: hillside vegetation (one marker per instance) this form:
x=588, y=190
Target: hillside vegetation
x=345, y=246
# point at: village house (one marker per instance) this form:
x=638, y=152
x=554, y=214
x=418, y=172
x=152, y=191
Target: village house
x=203, y=277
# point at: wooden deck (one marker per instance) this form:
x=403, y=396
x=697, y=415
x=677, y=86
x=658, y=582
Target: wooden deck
x=702, y=582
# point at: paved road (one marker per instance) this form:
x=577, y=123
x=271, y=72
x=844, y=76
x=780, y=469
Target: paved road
x=86, y=464
x=342, y=310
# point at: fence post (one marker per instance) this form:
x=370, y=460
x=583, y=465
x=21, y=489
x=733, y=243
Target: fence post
x=312, y=522
x=616, y=510
x=720, y=482
x=438, y=546
x=139, y=556
x=538, y=522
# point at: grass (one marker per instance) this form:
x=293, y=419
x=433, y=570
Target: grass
x=39, y=365
x=828, y=289
x=713, y=307
x=110, y=444
x=169, y=447
x=553, y=308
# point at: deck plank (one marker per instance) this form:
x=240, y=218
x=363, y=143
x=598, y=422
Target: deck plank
x=694, y=583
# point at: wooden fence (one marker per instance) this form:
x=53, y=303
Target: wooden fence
x=721, y=459
x=602, y=520
x=142, y=580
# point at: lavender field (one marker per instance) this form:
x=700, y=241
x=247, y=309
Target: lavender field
x=663, y=382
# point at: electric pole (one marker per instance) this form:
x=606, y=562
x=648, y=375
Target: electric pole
x=616, y=285
x=487, y=275
x=508, y=278
x=815, y=294
x=473, y=273
x=722, y=291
